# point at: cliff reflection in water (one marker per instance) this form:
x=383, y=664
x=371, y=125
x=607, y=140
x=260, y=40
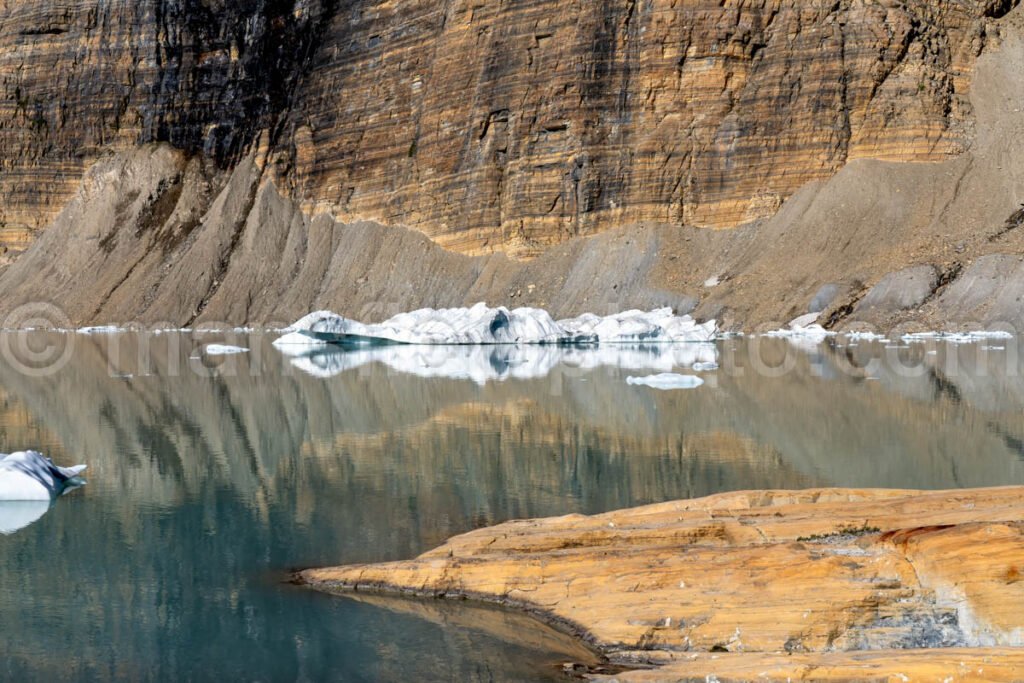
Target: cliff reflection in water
x=211, y=477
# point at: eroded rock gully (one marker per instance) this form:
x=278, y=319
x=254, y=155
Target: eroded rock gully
x=825, y=584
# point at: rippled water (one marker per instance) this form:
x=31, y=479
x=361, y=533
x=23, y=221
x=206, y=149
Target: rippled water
x=211, y=477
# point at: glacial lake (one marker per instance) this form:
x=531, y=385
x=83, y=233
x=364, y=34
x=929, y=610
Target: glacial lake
x=212, y=477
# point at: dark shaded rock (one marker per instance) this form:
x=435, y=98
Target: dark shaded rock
x=973, y=293
x=900, y=291
x=825, y=297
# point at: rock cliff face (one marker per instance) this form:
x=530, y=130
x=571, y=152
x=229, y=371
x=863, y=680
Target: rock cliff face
x=215, y=132
x=78, y=79
x=512, y=126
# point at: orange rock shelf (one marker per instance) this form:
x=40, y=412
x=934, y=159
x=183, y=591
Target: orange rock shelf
x=829, y=584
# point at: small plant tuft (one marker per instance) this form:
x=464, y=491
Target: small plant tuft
x=840, y=533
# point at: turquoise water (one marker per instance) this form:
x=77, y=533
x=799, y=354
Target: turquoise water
x=211, y=478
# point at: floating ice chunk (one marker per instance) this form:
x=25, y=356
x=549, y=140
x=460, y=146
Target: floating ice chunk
x=453, y=326
x=30, y=475
x=297, y=343
x=804, y=333
x=865, y=336
x=814, y=332
x=481, y=325
x=660, y=325
x=223, y=350
x=667, y=381
x=804, y=328
x=705, y=367
x=956, y=337
x=100, y=329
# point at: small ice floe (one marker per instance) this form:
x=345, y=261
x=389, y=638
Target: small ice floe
x=100, y=329
x=291, y=341
x=666, y=381
x=481, y=325
x=223, y=350
x=29, y=485
x=170, y=330
x=803, y=331
x=866, y=336
x=705, y=367
x=956, y=337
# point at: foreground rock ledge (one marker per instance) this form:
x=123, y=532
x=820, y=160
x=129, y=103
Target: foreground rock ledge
x=830, y=584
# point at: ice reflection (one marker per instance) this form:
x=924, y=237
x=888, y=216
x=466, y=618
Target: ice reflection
x=16, y=515
x=483, y=364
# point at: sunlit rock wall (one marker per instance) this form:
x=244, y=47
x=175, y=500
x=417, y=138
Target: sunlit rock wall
x=489, y=126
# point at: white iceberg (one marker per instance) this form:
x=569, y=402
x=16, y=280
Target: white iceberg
x=661, y=325
x=223, y=350
x=481, y=325
x=666, y=381
x=31, y=476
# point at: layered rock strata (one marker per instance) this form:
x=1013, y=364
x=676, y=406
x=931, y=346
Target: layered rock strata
x=250, y=210
x=790, y=583
x=505, y=127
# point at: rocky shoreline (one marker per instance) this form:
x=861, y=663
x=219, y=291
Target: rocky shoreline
x=832, y=584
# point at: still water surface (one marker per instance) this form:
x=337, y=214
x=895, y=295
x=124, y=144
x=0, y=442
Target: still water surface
x=211, y=477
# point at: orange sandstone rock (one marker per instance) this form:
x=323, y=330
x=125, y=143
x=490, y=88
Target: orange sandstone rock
x=786, y=581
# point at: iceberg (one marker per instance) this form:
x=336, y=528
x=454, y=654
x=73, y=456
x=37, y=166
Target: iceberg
x=31, y=476
x=481, y=325
x=667, y=381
